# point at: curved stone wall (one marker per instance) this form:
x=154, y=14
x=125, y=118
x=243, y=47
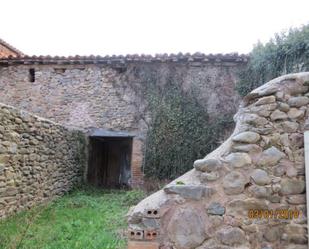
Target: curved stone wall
x=248, y=193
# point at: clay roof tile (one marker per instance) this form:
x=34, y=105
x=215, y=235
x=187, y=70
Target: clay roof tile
x=92, y=59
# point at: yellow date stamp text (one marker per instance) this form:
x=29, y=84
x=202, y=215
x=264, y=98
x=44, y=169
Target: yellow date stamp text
x=273, y=214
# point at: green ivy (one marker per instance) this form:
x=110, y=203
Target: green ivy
x=287, y=52
x=79, y=147
x=181, y=130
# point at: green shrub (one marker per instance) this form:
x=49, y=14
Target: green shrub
x=133, y=197
x=287, y=52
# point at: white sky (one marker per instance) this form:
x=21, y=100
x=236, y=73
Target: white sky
x=100, y=27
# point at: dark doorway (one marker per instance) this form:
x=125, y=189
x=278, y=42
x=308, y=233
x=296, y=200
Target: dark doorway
x=109, y=161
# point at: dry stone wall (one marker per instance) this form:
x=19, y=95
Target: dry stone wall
x=103, y=96
x=248, y=193
x=39, y=160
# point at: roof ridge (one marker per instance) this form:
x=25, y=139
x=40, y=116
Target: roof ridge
x=9, y=46
x=77, y=59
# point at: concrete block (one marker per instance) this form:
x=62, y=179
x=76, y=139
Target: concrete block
x=135, y=234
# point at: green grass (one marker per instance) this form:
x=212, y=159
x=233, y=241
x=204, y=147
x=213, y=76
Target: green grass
x=86, y=218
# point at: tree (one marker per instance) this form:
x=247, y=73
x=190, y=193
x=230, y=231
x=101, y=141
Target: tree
x=287, y=52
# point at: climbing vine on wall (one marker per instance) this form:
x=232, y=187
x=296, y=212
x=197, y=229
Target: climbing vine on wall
x=80, y=147
x=180, y=131
x=287, y=52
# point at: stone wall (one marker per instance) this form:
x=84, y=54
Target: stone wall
x=113, y=97
x=248, y=193
x=101, y=96
x=39, y=159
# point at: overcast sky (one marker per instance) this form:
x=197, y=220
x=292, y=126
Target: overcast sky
x=100, y=27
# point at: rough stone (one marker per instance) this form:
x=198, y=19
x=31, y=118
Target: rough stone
x=295, y=233
x=234, y=183
x=213, y=244
x=263, y=90
x=231, y=236
x=240, y=207
x=278, y=115
x=238, y=159
x=212, y=176
x=259, y=191
x=292, y=186
x=263, y=131
x=284, y=140
x=293, y=246
x=4, y=159
x=264, y=110
x=280, y=95
x=260, y=177
x=254, y=119
x=283, y=107
x=250, y=228
x=247, y=137
x=289, y=126
x=2, y=167
x=189, y=191
x=273, y=234
x=270, y=157
x=250, y=148
x=215, y=208
x=276, y=187
x=291, y=171
x=150, y=223
x=187, y=228
x=294, y=113
x=298, y=101
x=296, y=199
x=215, y=220
x=207, y=165
x=297, y=140
x=266, y=100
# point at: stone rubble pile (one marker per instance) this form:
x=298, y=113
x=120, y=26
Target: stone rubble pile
x=259, y=168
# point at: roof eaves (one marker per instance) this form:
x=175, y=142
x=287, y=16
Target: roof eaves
x=196, y=57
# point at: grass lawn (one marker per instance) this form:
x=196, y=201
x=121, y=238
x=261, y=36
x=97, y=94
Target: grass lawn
x=86, y=218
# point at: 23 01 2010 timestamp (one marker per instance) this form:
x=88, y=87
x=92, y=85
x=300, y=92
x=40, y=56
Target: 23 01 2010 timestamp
x=273, y=214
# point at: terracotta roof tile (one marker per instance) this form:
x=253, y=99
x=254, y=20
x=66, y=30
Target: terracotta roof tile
x=10, y=47
x=122, y=59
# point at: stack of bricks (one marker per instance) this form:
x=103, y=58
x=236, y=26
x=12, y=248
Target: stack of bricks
x=147, y=238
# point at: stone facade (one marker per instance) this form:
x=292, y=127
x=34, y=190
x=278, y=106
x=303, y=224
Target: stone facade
x=108, y=93
x=39, y=159
x=248, y=193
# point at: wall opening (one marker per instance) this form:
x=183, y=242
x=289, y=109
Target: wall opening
x=32, y=75
x=110, y=161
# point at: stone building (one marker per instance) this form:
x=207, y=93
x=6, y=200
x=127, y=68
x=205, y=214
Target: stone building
x=7, y=50
x=102, y=97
